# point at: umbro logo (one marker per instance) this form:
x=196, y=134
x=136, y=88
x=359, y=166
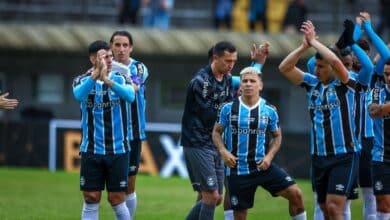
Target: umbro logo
x=340, y=187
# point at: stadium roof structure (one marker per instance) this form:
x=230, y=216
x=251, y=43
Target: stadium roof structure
x=75, y=38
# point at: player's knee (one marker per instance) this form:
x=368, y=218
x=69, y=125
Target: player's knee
x=219, y=200
x=211, y=198
x=383, y=204
x=92, y=197
x=295, y=195
x=333, y=208
x=115, y=198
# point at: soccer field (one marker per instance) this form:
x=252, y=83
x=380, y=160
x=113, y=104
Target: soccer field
x=39, y=194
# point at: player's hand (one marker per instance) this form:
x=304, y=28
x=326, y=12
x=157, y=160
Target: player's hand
x=309, y=31
x=375, y=109
x=305, y=44
x=230, y=160
x=264, y=163
x=7, y=103
x=349, y=27
x=260, y=53
x=365, y=16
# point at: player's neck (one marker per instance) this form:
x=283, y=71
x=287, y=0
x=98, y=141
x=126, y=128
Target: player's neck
x=250, y=100
x=217, y=74
x=126, y=62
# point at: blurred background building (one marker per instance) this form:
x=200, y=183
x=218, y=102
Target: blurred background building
x=43, y=46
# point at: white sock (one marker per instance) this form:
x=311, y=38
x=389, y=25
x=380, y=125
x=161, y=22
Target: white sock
x=229, y=214
x=347, y=210
x=301, y=216
x=318, y=215
x=90, y=211
x=369, y=208
x=131, y=203
x=121, y=212
x=382, y=216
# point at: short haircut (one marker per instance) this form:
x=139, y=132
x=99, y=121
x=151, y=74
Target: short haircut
x=319, y=56
x=363, y=43
x=387, y=62
x=95, y=46
x=210, y=53
x=222, y=46
x=250, y=70
x=122, y=33
x=345, y=52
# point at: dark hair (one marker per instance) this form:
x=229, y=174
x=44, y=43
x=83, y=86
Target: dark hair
x=345, y=52
x=319, y=56
x=95, y=46
x=221, y=46
x=387, y=62
x=363, y=43
x=122, y=33
x=210, y=53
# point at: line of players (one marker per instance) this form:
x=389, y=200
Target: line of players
x=346, y=97
x=337, y=98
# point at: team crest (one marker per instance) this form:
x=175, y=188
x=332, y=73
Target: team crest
x=234, y=200
x=82, y=181
x=378, y=185
x=210, y=181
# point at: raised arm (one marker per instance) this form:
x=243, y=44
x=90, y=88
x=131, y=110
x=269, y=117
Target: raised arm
x=378, y=43
x=328, y=55
x=367, y=67
x=82, y=85
x=288, y=66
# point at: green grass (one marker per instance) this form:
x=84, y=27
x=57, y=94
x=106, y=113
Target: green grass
x=39, y=194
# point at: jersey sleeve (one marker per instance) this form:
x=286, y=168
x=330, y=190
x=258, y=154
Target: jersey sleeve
x=365, y=72
x=82, y=86
x=274, y=119
x=311, y=64
x=223, y=115
x=309, y=81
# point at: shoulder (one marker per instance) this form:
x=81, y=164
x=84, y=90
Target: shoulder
x=80, y=78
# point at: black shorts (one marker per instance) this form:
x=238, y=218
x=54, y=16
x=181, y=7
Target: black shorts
x=381, y=178
x=135, y=156
x=354, y=194
x=242, y=188
x=205, y=168
x=365, y=179
x=98, y=171
x=335, y=175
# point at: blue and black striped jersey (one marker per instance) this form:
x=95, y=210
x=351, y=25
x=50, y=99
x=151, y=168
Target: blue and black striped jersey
x=381, y=150
x=332, y=114
x=245, y=132
x=104, y=113
x=137, y=115
x=205, y=95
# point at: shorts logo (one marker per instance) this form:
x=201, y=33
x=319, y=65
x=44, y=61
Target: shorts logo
x=210, y=181
x=122, y=184
x=234, y=200
x=288, y=178
x=378, y=185
x=340, y=187
x=82, y=181
x=132, y=168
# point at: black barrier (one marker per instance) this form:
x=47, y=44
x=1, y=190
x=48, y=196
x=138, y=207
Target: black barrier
x=27, y=144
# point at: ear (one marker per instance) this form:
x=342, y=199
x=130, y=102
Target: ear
x=131, y=49
x=92, y=59
x=261, y=85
